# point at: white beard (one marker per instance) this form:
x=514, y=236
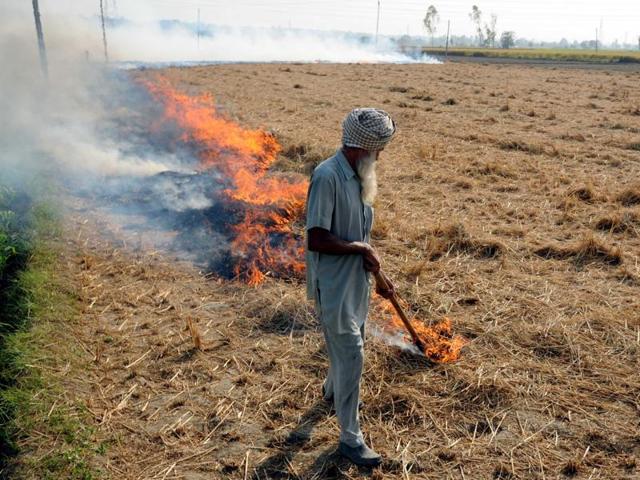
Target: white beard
x=366, y=168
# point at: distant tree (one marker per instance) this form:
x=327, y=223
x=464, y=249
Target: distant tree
x=507, y=39
x=476, y=18
x=431, y=20
x=490, y=31
x=588, y=44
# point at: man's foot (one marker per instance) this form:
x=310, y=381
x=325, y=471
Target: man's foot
x=361, y=455
x=330, y=400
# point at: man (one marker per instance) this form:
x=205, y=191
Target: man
x=340, y=261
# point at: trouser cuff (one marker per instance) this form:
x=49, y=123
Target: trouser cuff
x=352, y=441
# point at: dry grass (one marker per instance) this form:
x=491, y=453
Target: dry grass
x=301, y=157
x=453, y=238
x=630, y=196
x=548, y=385
x=584, y=193
x=620, y=222
x=589, y=249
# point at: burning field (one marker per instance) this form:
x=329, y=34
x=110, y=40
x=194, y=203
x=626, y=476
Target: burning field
x=507, y=215
x=233, y=195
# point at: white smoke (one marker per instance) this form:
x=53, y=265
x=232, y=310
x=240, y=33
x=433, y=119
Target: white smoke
x=150, y=43
x=397, y=339
x=169, y=41
x=56, y=124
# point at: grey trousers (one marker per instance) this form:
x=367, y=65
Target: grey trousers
x=346, y=359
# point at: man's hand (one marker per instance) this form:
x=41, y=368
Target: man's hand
x=322, y=241
x=386, y=290
x=369, y=257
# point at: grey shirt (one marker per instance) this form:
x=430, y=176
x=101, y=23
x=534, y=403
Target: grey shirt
x=338, y=283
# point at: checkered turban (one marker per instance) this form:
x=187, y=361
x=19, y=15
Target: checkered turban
x=367, y=128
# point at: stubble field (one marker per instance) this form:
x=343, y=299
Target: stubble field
x=509, y=202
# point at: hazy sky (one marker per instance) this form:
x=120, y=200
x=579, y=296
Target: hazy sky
x=540, y=19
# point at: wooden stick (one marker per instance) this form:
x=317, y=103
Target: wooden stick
x=384, y=284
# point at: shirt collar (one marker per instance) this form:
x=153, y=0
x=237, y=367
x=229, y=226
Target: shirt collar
x=344, y=166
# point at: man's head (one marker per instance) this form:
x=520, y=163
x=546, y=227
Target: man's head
x=365, y=133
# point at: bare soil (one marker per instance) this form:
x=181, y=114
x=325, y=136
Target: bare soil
x=508, y=202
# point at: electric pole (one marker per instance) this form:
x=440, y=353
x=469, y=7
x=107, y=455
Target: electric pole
x=104, y=33
x=378, y=22
x=43, y=51
x=596, y=40
x=446, y=50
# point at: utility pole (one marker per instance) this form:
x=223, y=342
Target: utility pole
x=446, y=50
x=596, y=40
x=43, y=51
x=104, y=33
x=378, y=22
x=198, y=29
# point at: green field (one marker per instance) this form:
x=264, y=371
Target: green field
x=557, y=54
x=36, y=311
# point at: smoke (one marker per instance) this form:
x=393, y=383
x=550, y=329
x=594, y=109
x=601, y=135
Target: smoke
x=56, y=125
x=396, y=339
x=179, y=43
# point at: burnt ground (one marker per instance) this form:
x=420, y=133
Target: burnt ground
x=509, y=202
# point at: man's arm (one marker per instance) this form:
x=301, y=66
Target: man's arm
x=323, y=241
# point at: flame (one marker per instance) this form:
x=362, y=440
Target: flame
x=440, y=343
x=265, y=242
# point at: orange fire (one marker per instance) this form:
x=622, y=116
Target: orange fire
x=440, y=343
x=265, y=242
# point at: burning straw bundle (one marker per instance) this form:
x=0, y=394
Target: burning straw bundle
x=437, y=342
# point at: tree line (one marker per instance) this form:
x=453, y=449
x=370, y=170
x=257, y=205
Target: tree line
x=486, y=35
x=486, y=31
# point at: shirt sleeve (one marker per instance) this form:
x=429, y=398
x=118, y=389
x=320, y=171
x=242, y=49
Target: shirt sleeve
x=321, y=202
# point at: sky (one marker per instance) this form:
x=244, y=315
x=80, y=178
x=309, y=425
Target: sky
x=540, y=19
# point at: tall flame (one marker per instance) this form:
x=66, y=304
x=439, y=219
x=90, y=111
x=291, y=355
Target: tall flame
x=265, y=242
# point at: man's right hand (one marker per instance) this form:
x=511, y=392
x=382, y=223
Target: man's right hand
x=370, y=258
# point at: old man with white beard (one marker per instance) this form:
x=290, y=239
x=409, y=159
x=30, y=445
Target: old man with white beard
x=340, y=261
